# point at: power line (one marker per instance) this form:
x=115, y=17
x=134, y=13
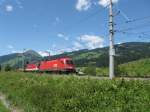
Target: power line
x=122, y=13
x=136, y=27
x=135, y=20
x=138, y=19
x=85, y=19
x=128, y=20
x=139, y=35
x=91, y=15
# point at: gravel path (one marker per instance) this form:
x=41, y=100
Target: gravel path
x=7, y=104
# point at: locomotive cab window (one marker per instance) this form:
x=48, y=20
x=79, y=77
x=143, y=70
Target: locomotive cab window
x=69, y=62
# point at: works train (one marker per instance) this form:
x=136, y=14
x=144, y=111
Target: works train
x=59, y=65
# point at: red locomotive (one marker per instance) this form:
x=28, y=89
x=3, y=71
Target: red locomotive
x=31, y=67
x=60, y=65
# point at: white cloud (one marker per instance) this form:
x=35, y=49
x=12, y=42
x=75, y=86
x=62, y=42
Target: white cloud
x=62, y=36
x=57, y=19
x=15, y=51
x=90, y=41
x=9, y=8
x=19, y=51
x=77, y=46
x=10, y=46
x=105, y=3
x=54, y=46
x=44, y=53
x=83, y=5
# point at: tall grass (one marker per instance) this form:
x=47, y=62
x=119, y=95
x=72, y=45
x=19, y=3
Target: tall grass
x=43, y=93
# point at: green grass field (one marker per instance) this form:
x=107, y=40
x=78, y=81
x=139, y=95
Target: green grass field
x=139, y=68
x=44, y=93
x=3, y=108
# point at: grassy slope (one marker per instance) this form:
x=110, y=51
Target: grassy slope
x=140, y=68
x=59, y=94
x=2, y=108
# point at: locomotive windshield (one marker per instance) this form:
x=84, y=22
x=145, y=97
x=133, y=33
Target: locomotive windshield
x=69, y=62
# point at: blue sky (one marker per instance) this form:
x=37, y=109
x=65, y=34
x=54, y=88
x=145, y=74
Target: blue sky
x=66, y=25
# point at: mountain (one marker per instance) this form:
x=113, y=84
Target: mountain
x=16, y=59
x=125, y=52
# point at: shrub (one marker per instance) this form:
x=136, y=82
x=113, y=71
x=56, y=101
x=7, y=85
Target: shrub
x=91, y=70
x=102, y=71
x=0, y=68
x=8, y=68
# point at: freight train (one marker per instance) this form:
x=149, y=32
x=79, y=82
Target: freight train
x=59, y=65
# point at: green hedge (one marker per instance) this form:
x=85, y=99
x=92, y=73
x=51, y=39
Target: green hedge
x=36, y=93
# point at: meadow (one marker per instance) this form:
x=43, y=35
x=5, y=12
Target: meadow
x=139, y=68
x=51, y=93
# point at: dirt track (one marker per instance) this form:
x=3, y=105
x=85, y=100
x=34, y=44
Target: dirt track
x=125, y=78
x=8, y=105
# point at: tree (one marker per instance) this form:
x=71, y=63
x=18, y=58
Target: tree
x=0, y=68
x=8, y=68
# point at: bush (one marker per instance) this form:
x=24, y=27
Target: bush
x=91, y=70
x=8, y=68
x=0, y=68
x=102, y=71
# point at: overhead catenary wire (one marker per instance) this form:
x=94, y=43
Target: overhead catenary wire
x=85, y=19
x=122, y=13
x=135, y=20
x=138, y=19
x=135, y=27
x=128, y=19
x=134, y=33
x=138, y=34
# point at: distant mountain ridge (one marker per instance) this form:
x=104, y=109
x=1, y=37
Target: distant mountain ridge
x=125, y=52
x=16, y=59
x=99, y=57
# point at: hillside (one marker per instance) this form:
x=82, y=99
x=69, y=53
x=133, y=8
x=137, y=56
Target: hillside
x=15, y=60
x=125, y=52
x=140, y=68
